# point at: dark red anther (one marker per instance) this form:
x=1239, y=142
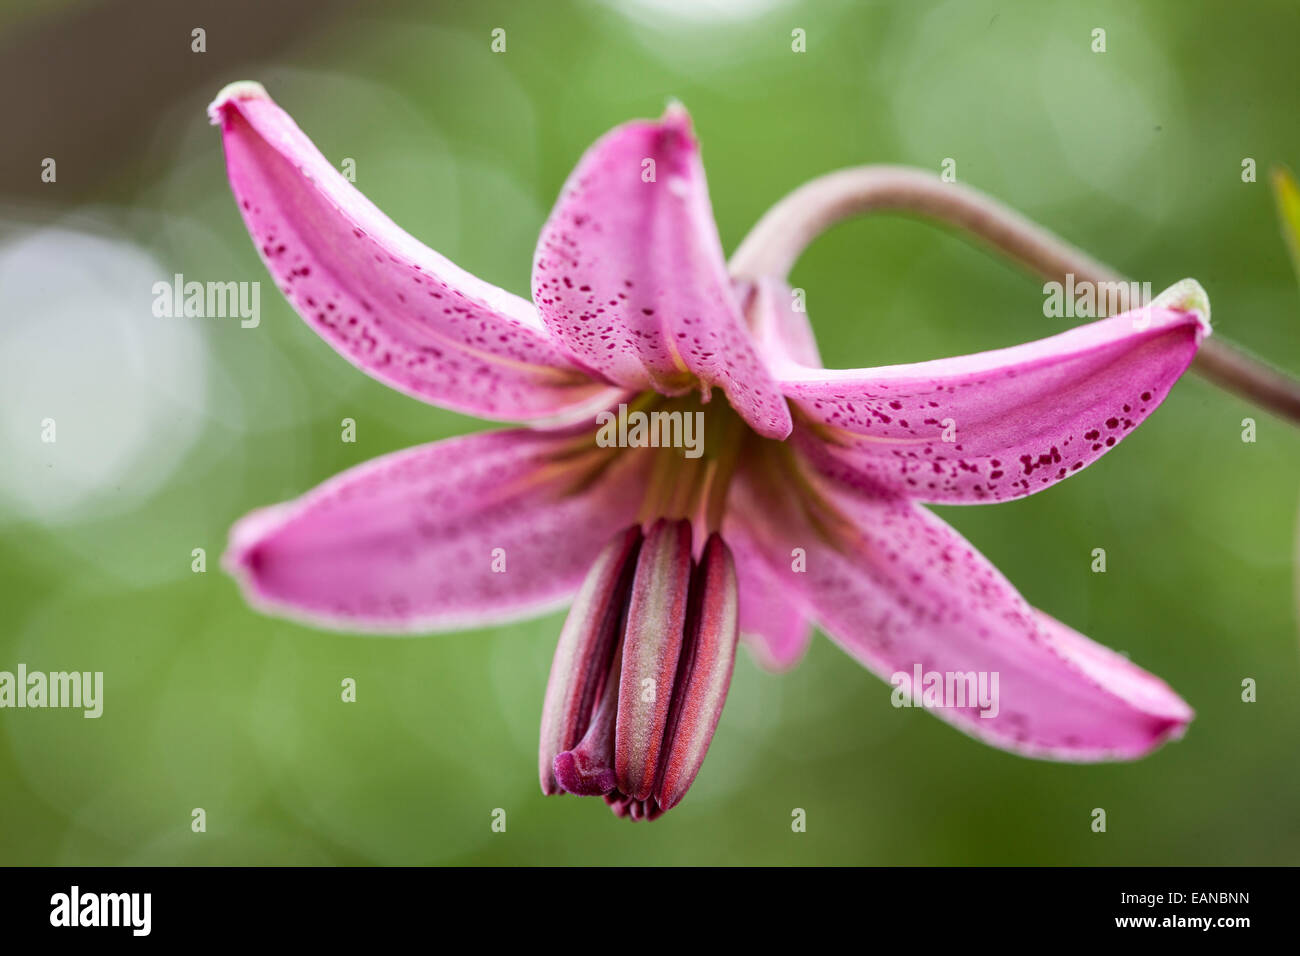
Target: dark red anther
x=585, y=652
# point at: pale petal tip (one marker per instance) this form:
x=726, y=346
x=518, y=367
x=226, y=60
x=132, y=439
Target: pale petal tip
x=758, y=649
x=1171, y=728
x=1174, y=714
x=239, y=90
x=677, y=125
x=239, y=560
x=1187, y=295
x=676, y=114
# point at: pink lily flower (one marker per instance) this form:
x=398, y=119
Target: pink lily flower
x=804, y=505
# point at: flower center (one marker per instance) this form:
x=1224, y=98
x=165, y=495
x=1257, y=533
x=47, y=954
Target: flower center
x=698, y=444
x=644, y=661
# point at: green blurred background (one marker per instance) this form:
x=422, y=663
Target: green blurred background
x=170, y=429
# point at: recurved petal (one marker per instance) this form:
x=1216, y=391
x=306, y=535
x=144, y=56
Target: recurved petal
x=457, y=533
x=388, y=304
x=901, y=591
x=778, y=319
x=1000, y=424
x=629, y=273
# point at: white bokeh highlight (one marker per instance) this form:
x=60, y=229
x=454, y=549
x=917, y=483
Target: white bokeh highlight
x=79, y=344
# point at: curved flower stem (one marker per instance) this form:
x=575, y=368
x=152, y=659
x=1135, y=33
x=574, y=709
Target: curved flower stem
x=778, y=239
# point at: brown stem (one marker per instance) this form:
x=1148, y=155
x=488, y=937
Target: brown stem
x=778, y=239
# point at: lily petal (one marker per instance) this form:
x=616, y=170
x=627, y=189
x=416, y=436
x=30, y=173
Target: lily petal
x=629, y=274
x=388, y=304
x=1000, y=424
x=458, y=533
x=775, y=629
x=898, y=589
x=779, y=323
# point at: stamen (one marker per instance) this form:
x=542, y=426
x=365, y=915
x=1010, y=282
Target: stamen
x=651, y=646
x=618, y=803
x=704, y=671
x=625, y=808
x=584, y=655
